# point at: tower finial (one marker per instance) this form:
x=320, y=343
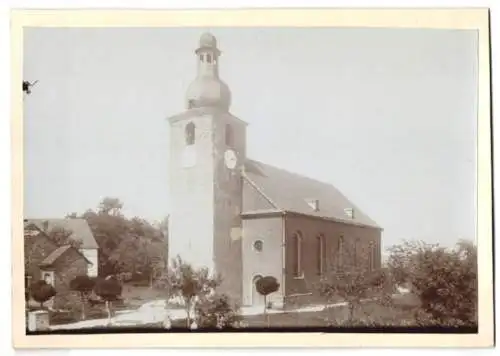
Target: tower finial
x=207, y=40
x=208, y=90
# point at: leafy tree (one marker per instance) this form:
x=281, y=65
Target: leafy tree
x=84, y=286
x=353, y=287
x=62, y=237
x=110, y=290
x=445, y=280
x=41, y=292
x=265, y=286
x=216, y=311
x=127, y=245
x=110, y=206
x=189, y=284
x=353, y=280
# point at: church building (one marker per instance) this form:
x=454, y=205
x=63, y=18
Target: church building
x=245, y=219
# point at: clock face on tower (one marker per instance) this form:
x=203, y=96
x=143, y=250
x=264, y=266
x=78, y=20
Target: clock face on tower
x=230, y=159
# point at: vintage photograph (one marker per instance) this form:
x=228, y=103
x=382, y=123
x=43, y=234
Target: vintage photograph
x=250, y=179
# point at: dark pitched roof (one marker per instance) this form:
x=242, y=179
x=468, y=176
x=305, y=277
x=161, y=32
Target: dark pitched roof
x=57, y=253
x=79, y=227
x=289, y=192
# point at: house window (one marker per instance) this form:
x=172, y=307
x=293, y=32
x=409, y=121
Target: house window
x=190, y=134
x=297, y=255
x=229, y=135
x=258, y=245
x=48, y=277
x=320, y=253
x=340, y=254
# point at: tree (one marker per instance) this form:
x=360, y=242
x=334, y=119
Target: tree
x=84, y=286
x=110, y=206
x=189, y=284
x=41, y=292
x=62, y=237
x=445, y=280
x=265, y=286
x=132, y=246
x=353, y=287
x=355, y=279
x=110, y=290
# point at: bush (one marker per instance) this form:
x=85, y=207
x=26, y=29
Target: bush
x=444, y=280
x=41, y=292
x=216, y=311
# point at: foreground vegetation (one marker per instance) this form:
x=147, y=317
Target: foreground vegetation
x=442, y=284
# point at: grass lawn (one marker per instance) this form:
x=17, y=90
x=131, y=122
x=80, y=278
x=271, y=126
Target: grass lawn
x=370, y=311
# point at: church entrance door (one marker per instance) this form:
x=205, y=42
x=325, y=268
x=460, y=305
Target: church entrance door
x=257, y=299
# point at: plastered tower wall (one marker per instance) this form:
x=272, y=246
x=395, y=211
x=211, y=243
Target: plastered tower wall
x=192, y=194
x=206, y=191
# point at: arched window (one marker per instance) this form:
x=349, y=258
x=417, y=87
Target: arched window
x=229, y=135
x=190, y=134
x=297, y=255
x=371, y=257
x=355, y=254
x=320, y=254
x=340, y=254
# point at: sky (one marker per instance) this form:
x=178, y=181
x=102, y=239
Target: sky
x=388, y=116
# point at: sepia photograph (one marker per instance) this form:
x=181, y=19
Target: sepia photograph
x=252, y=179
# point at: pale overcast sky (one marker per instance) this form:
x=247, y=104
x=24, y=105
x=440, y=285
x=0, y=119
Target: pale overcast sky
x=388, y=116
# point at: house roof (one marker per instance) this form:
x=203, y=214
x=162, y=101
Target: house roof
x=79, y=227
x=56, y=254
x=270, y=188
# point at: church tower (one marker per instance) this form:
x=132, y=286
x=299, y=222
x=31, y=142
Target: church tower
x=207, y=152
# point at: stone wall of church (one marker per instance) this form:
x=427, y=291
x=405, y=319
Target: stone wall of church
x=227, y=250
x=264, y=261
x=357, y=240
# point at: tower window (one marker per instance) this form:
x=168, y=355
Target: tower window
x=209, y=58
x=229, y=135
x=190, y=134
x=297, y=255
x=201, y=57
